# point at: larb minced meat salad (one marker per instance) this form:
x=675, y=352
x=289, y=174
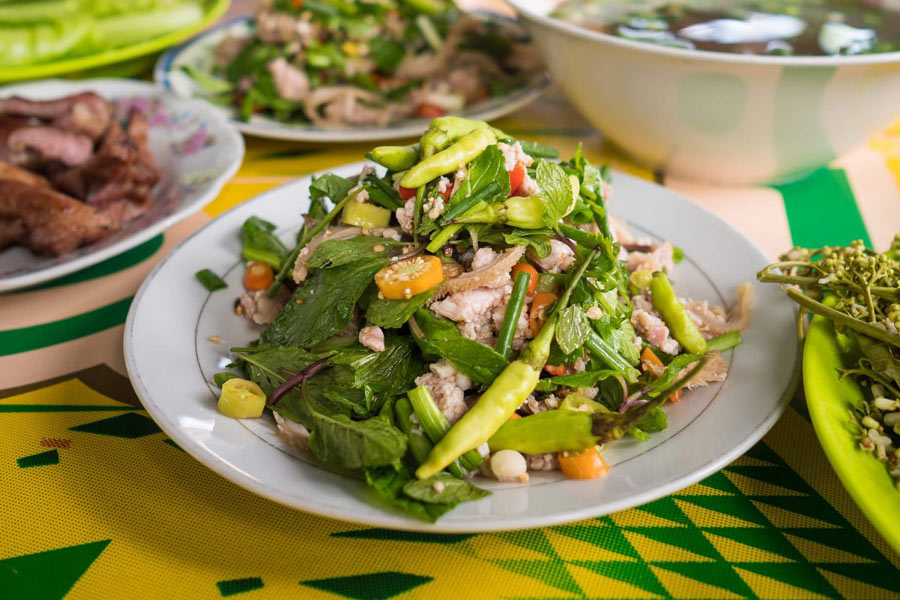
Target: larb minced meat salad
x=474, y=309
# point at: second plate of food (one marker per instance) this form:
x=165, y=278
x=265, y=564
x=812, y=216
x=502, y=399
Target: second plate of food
x=378, y=75
x=173, y=356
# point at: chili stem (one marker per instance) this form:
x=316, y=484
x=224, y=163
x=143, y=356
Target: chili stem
x=288, y=265
x=513, y=312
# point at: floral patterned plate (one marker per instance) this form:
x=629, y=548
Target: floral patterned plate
x=195, y=146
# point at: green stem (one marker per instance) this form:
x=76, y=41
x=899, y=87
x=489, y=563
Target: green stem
x=443, y=236
x=417, y=214
x=288, y=265
x=513, y=311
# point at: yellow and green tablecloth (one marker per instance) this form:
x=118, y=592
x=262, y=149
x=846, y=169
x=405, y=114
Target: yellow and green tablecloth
x=96, y=502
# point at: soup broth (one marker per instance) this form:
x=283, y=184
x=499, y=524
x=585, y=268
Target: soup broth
x=773, y=27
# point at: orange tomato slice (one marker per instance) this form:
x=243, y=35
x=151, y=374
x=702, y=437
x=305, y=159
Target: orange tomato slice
x=583, y=464
x=406, y=278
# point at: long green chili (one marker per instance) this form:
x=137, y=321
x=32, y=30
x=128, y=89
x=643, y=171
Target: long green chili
x=513, y=311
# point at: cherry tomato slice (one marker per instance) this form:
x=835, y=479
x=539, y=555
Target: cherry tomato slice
x=258, y=276
x=407, y=193
x=516, y=177
x=426, y=110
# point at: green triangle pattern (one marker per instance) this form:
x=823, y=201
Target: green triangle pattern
x=230, y=587
x=637, y=574
x=665, y=508
x=796, y=571
x=719, y=574
x=369, y=586
x=404, y=536
x=718, y=481
x=760, y=538
x=128, y=425
x=47, y=575
x=42, y=459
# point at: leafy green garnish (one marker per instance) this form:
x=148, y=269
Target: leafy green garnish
x=330, y=186
x=555, y=190
x=572, y=329
x=488, y=167
x=334, y=253
x=339, y=440
x=391, y=314
x=439, y=338
x=324, y=304
x=653, y=421
x=538, y=239
x=443, y=488
x=386, y=53
x=388, y=482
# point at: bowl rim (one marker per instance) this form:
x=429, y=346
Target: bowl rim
x=522, y=7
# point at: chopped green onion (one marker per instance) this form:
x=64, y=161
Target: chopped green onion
x=429, y=32
x=436, y=425
x=263, y=256
x=419, y=445
x=220, y=378
x=726, y=341
x=210, y=280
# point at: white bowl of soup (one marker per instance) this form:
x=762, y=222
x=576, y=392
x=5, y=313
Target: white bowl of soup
x=717, y=91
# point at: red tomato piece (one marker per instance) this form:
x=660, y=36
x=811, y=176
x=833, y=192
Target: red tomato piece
x=516, y=176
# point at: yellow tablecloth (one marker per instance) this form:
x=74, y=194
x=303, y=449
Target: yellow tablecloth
x=96, y=503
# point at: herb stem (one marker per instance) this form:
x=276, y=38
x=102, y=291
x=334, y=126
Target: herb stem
x=837, y=316
x=288, y=265
x=436, y=425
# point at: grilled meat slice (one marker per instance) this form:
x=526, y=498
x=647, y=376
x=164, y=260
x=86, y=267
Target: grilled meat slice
x=46, y=221
x=49, y=144
x=85, y=113
x=10, y=171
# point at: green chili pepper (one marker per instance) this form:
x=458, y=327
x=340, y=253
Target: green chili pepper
x=523, y=212
x=504, y=395
x=396, y=158
x=566, y=429
x=419, y=445
x=675, y=315
x=447, y=161
x=444, y=131
x=466, y=204
x=548, y=282
x=513, y=312
x=549, y=431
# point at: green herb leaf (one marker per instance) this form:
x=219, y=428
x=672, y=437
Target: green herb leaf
x=330, y=186
x=572, y=329
x=338, y=440
x=323, y=305
x=537, y=239
x=439, y=338
x=392, y=370
x=391, y=314
x=555, y=190
x=443, y=488
x=388, y=482
x=386, y=53
x=334, y=253
x=489, y=167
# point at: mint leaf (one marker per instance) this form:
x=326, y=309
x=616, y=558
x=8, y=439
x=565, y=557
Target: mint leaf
x=572, y=329
x=555, y=190
x=443, y=488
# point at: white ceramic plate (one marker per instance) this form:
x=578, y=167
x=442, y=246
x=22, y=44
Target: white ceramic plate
x=198, y=53
x=170, y=361
x=196, y=148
